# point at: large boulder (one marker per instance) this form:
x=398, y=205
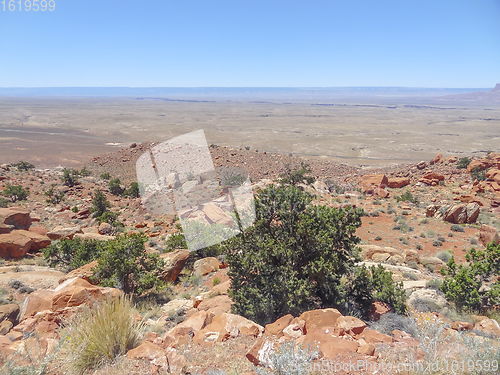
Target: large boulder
x=321, y=318
x=374, y=184
x=368, y=252
x=18, y=218
x=61, y=232
x=488, y=326
x=14, y=245
x=175, y=262
x=225, y=326
x=206, y=265
x=437, y=159
x=84, y=272
x=276, y=328
x=38, y=241
x=462, y=213
x=9, y=312
x=398, y=182
x=488, y=234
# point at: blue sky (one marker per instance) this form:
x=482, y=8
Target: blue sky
x=192, y=43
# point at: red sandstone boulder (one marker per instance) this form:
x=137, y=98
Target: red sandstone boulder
x=14, y=245
x=18, y=218
x=206, y=265
x=488, y=234
x=398, y=182
x=316, y=319
x=38, y=241
x=276, y=328
x=373, y=184
x=462, y=213
x=227, y=325
x=175, y=262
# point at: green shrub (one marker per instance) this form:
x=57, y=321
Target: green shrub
x=434, y=284
x=462, y=284
x=4, y=203
x=72, y=254
x=445, y=255
x=100, y=204
x=296, y=176
x=406, y=196
x=294, y=266
x=125, y=264
x=419, y=246
x=84, y=172
x=412, y=264
x=132, y=191
x=100, y=335
x=115, y=186
x=473, y=241
x=23, y=166
x=478, y=174
x=70, y=177
x=54, y=195
x=410, y=276
x=437, y=243
x=15, y=193
x=463, y=163
x=106, y=176
x=378, y=238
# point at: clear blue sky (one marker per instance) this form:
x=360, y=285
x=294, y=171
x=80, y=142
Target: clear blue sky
x=269, y=43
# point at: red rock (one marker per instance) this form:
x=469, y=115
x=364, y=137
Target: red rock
x=329, y=346
x=261, y=349
x=216, y=305
x=349, y=325
x=206, y=265
x=431, y=175
x=39, y=241
x=488, y=234
x=470, y=198
x=378, y=308
x=320, y=318
x=398, y=182
x=106, y=229
x=38, y=230
x=84, y=272
x=371, y=183
x=175, y=262
x=374, y=337
x=14, y=245
x=276, y=328
x=5, y=327
x=224, y=326
x=18, y=218
x=461, y=326
x=437, y=159
x=295, y=329
x=62, y=232
x=367, y=349
x=76, y=292
x=488, y=326
x=187, y=328
x=150, y=352
x=9, y=312
x=462, y=213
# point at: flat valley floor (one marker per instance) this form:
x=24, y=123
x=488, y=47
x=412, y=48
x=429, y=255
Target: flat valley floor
x=380, y=132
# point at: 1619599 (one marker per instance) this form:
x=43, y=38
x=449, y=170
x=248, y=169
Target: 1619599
x=27, y=5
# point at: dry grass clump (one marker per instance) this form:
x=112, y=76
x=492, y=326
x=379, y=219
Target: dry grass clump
x=100, y=334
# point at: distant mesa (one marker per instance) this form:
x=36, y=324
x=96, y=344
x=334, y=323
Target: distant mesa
x=491, y=96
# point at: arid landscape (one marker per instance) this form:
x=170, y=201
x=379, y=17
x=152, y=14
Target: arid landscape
x=358, y=130
x=426, y=177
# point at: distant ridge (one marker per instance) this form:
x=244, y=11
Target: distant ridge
x=211, y=93
x=491, y=96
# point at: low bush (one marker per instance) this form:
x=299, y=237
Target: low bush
x=445, y=255
x=463, y=163
x=391, y=321
x=457, y=228
x=406, y=196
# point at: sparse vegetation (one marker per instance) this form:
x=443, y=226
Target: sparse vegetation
x=114, y=186
x=54, y=195
x=70, y=177
x=478, y=174
x=406, y=196
x=132, y=191
x=100, y=204
x=463, y=163
x=15, y=193
x=23, y=166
